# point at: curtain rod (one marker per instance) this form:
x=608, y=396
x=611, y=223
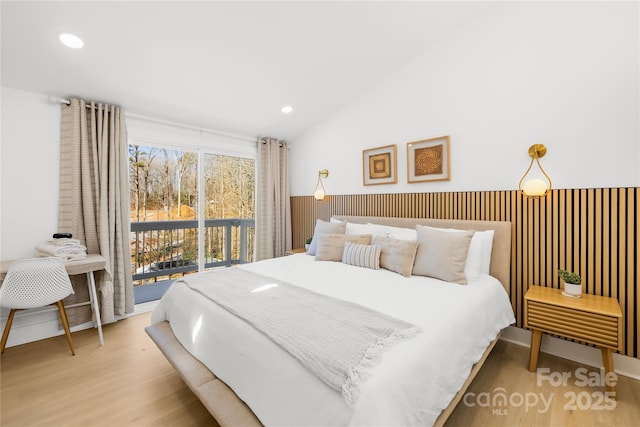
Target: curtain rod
x=188, y=127
x=167, y=122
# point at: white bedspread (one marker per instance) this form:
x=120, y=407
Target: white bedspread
x=415, y=380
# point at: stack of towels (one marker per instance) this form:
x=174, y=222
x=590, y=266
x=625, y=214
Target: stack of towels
x=65, y=249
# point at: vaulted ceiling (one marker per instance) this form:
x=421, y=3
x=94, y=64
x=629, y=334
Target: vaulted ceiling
x=229, y=66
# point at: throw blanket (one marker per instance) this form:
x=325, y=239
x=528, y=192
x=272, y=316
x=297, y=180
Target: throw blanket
x=334, y=339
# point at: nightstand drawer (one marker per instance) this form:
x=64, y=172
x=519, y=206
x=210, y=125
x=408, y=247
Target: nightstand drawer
x=593, y=328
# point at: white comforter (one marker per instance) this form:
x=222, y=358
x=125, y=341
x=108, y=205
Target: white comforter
x=415, y=380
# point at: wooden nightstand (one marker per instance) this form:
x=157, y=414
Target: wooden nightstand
x=295, y=251
x=592, y=319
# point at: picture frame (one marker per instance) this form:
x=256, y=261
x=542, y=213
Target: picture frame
x=429, y=160
x=380, y=165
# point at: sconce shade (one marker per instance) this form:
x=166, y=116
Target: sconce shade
x=320, y=191
x=532, y=186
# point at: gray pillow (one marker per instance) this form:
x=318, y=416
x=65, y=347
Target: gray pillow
x=442, y=254
x=331, y=246
x=325, y=227
x=396, y=255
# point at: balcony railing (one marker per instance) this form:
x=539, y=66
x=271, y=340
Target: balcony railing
x=169, y=248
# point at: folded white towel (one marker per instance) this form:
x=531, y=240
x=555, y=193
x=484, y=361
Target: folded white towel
x=54, y=250
x=67, y=257
x=64, y=242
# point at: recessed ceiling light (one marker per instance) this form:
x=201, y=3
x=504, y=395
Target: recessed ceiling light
x=71, y=41
x=287, y=109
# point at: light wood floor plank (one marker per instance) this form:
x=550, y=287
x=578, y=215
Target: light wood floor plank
x=125, y=383
x=129, y=383
x=506, y=368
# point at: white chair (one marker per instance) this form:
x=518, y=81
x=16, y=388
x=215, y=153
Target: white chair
x=32, y=283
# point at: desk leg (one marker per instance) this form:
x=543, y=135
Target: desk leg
x=607, y=362
x=536, y=339
x=93, y=295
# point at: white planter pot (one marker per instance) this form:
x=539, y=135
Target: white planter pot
x=306, y=246
x=572, y=290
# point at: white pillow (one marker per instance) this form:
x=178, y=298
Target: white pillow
x=479, y=255
x=487, y=247
x=354, y=228
x=398, y=232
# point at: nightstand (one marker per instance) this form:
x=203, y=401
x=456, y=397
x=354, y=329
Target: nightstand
x=592, y=319
x=295, y=251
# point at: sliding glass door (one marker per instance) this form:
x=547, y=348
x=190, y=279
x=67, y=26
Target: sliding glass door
x=190, y=210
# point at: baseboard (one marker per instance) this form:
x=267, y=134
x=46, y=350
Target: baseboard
x=42, y=324
x=34, y=326
x=623, y=365
x=37, y=326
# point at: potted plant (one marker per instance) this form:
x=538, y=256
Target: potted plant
x=307, y=243
x=572, y=283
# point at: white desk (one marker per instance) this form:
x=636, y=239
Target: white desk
x=93, y=262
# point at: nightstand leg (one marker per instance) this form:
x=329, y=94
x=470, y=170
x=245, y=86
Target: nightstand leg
x=536, y=339
x=607, y=362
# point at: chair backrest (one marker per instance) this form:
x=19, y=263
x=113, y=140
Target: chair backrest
x=35, y=282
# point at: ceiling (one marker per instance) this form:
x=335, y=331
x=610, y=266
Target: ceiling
x=229, y=66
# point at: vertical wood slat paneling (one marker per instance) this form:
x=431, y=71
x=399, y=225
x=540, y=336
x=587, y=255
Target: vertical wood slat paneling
x=590, y=231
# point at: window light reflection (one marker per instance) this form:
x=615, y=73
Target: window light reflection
x=264, y=288
x=196, y=330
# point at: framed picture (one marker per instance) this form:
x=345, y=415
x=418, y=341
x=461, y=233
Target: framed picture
x=429, y=160
x=379, y=165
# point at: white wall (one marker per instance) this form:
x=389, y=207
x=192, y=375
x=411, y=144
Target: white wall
x=29, y=175
x=562, y=74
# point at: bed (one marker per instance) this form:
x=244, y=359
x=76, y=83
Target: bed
x=244, y=379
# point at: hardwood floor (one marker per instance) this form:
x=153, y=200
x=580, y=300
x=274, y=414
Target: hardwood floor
x=574, y=403
x=129, y=383
x=125, y=383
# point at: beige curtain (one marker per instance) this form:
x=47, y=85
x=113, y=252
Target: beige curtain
x=273, y=208
x=94, y=196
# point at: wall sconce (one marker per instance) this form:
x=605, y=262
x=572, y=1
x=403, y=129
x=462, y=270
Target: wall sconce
x=320, y=193
x=535, y=187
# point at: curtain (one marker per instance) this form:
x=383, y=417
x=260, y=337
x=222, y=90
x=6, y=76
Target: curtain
x=273, y=208
x=94, y=196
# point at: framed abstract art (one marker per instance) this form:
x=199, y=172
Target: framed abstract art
x=429, y=160
x=379, y=165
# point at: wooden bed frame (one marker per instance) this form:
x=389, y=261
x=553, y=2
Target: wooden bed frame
x=230, y=411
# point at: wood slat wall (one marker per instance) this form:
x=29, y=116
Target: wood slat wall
x=593, y=232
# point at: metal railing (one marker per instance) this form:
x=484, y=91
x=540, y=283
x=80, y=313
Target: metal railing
x=169, y=248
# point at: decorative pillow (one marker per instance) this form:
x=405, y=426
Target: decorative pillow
x=326, y=228
x=331, y=246
x=396, y=255
x=479, y=255
x=442, y=254
x=399, y=232
x=367, y=256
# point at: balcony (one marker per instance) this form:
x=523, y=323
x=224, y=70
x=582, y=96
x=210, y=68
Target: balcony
x=162, y=250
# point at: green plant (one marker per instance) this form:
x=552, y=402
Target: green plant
x=569, y=277
x=308, y=241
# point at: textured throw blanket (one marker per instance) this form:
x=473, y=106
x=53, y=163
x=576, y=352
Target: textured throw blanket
x=336, y=340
